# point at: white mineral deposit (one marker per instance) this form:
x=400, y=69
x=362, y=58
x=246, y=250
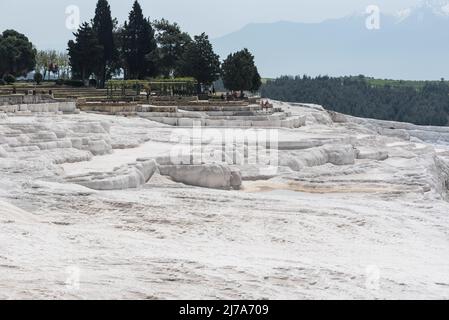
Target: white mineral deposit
x=101, y=194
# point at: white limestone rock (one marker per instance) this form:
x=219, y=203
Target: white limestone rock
x=300, y=121
x=69, y=155
x=299, y=144
x=99, y=147
x=213, y=176
x=340, y=155
x=337, y=155
x=236, y=179
x=320, y=118
x=67, y=107
x=397, y=133
x=3, y=153
x=338, y=117
x=44, y=135
x=60, y=144
x=130, y=176
x=372, y=154
x=395, y=208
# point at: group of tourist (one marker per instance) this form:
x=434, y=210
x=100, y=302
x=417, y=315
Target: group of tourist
x=265, y=104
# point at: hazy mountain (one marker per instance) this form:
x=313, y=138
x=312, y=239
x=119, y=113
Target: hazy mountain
x=413, y=44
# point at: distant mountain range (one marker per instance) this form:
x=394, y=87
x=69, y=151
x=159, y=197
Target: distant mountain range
x=413, y=44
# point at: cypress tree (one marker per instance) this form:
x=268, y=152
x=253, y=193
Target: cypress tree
x=84, y=52
x=103, y=25
x=139, y=45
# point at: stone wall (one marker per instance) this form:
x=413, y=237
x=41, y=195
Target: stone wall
x=110, y=108
x=64, y=107
x=17, y=99
x=245, y=122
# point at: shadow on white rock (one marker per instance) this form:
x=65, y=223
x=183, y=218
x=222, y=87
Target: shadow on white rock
x=213, y=176
x=126, y=177
x=338, y=155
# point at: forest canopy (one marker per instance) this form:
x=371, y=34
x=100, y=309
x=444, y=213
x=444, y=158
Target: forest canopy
x=423, y=104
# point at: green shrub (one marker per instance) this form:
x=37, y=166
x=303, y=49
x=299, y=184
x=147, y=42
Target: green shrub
x=74, y=83
x=38, y=77
x=9, y=79
x=2, y=82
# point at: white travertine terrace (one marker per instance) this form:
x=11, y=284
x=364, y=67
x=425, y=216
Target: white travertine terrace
x=355, y=208
x=55, y=107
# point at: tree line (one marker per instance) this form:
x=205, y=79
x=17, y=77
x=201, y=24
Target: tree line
x=142, y=49
x=426, y=105
x=139, y=49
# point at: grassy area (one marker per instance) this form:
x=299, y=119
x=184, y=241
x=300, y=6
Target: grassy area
x=400, y=83
x=417, y=84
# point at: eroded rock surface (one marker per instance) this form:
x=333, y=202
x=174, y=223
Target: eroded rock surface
x=126, y=177
x=214, y=176
x=344, y=198
x=335, y=154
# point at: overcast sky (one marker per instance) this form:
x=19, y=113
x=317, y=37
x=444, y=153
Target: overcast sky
x=44, y=20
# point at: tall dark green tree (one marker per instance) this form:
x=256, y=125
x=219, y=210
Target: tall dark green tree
x=118, y=60
x=200, y=62
x=257, y=81
x=103, y=25
x=17, y=54
x=84, y=52
x=171, y=46
x=240, y=72
x=139, y=45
